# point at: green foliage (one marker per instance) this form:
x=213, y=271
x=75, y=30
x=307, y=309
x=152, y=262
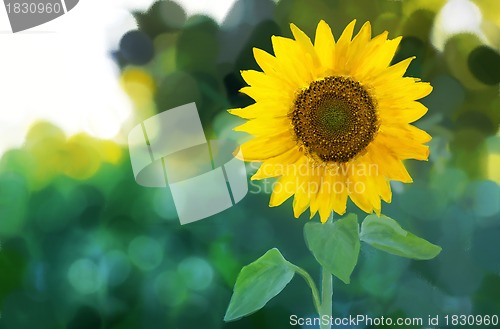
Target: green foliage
x=258, y=283
x=335, y=245
x=13, y=269
x=384, y=233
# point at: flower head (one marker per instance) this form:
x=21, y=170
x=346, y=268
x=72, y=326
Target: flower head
x=333, y=119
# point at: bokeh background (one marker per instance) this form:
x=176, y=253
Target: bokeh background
x=84, y=246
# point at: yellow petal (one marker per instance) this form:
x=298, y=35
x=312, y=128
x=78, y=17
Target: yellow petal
x=265, y=94
x=383, y=187
x=291, y=61
x=266, y=61
x=338, y=200
x=404, y=149
x=305, y=189
x=406, y=112
x=318, y=178
x=283, y=189
x=262, y=109
x=305, y=43
x=406, y=132
x=358, y=44
x=260, y=79
x=342, y=48
x=421, y=89
x=324, y=199
x=364, y=59
x=279, y=166
x=387, y=164
x=324, y=44
x=262, y=148
x=382, y=57
x=380, y=182
x=270, y=65
x=392, y=72
x=363, y=36
x=265, y=126
x=360, y=199
x=361, y=187
x=377, y=179
x=401, y=89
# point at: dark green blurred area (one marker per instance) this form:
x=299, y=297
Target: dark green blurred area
x=84, y=246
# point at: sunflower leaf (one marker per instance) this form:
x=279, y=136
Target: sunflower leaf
x=386, y=234
x=335, y=245
x=258, y=283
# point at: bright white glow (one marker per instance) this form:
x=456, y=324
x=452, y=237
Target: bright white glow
x=217, y=9
x=456, y=16
x=62, y=72
x=460, y=15
x=141, y=5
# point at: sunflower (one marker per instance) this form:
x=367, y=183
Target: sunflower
x=332, y=120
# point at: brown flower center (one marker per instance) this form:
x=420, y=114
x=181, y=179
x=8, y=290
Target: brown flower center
x=334, y=118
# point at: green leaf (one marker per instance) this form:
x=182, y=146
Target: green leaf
x=384, y=233
x=335, y=245
x=258, y=283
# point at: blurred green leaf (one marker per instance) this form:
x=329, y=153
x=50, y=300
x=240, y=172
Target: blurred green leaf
x=13, y=267
x=258, y=283
x=384, y=233
x=335, y=245
x=223, y=258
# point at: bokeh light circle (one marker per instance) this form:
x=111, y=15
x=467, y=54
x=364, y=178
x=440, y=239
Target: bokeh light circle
x=145, y=253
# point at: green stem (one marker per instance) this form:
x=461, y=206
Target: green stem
x=326, y=293
x=326, y=298
x=310, y=282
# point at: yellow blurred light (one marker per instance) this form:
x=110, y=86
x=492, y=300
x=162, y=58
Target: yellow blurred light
x=140, y=87
x=82, y=160
x=79, y=156
x=110, y=152
x=139, y=76
x=493, y=167
x=409, y=7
